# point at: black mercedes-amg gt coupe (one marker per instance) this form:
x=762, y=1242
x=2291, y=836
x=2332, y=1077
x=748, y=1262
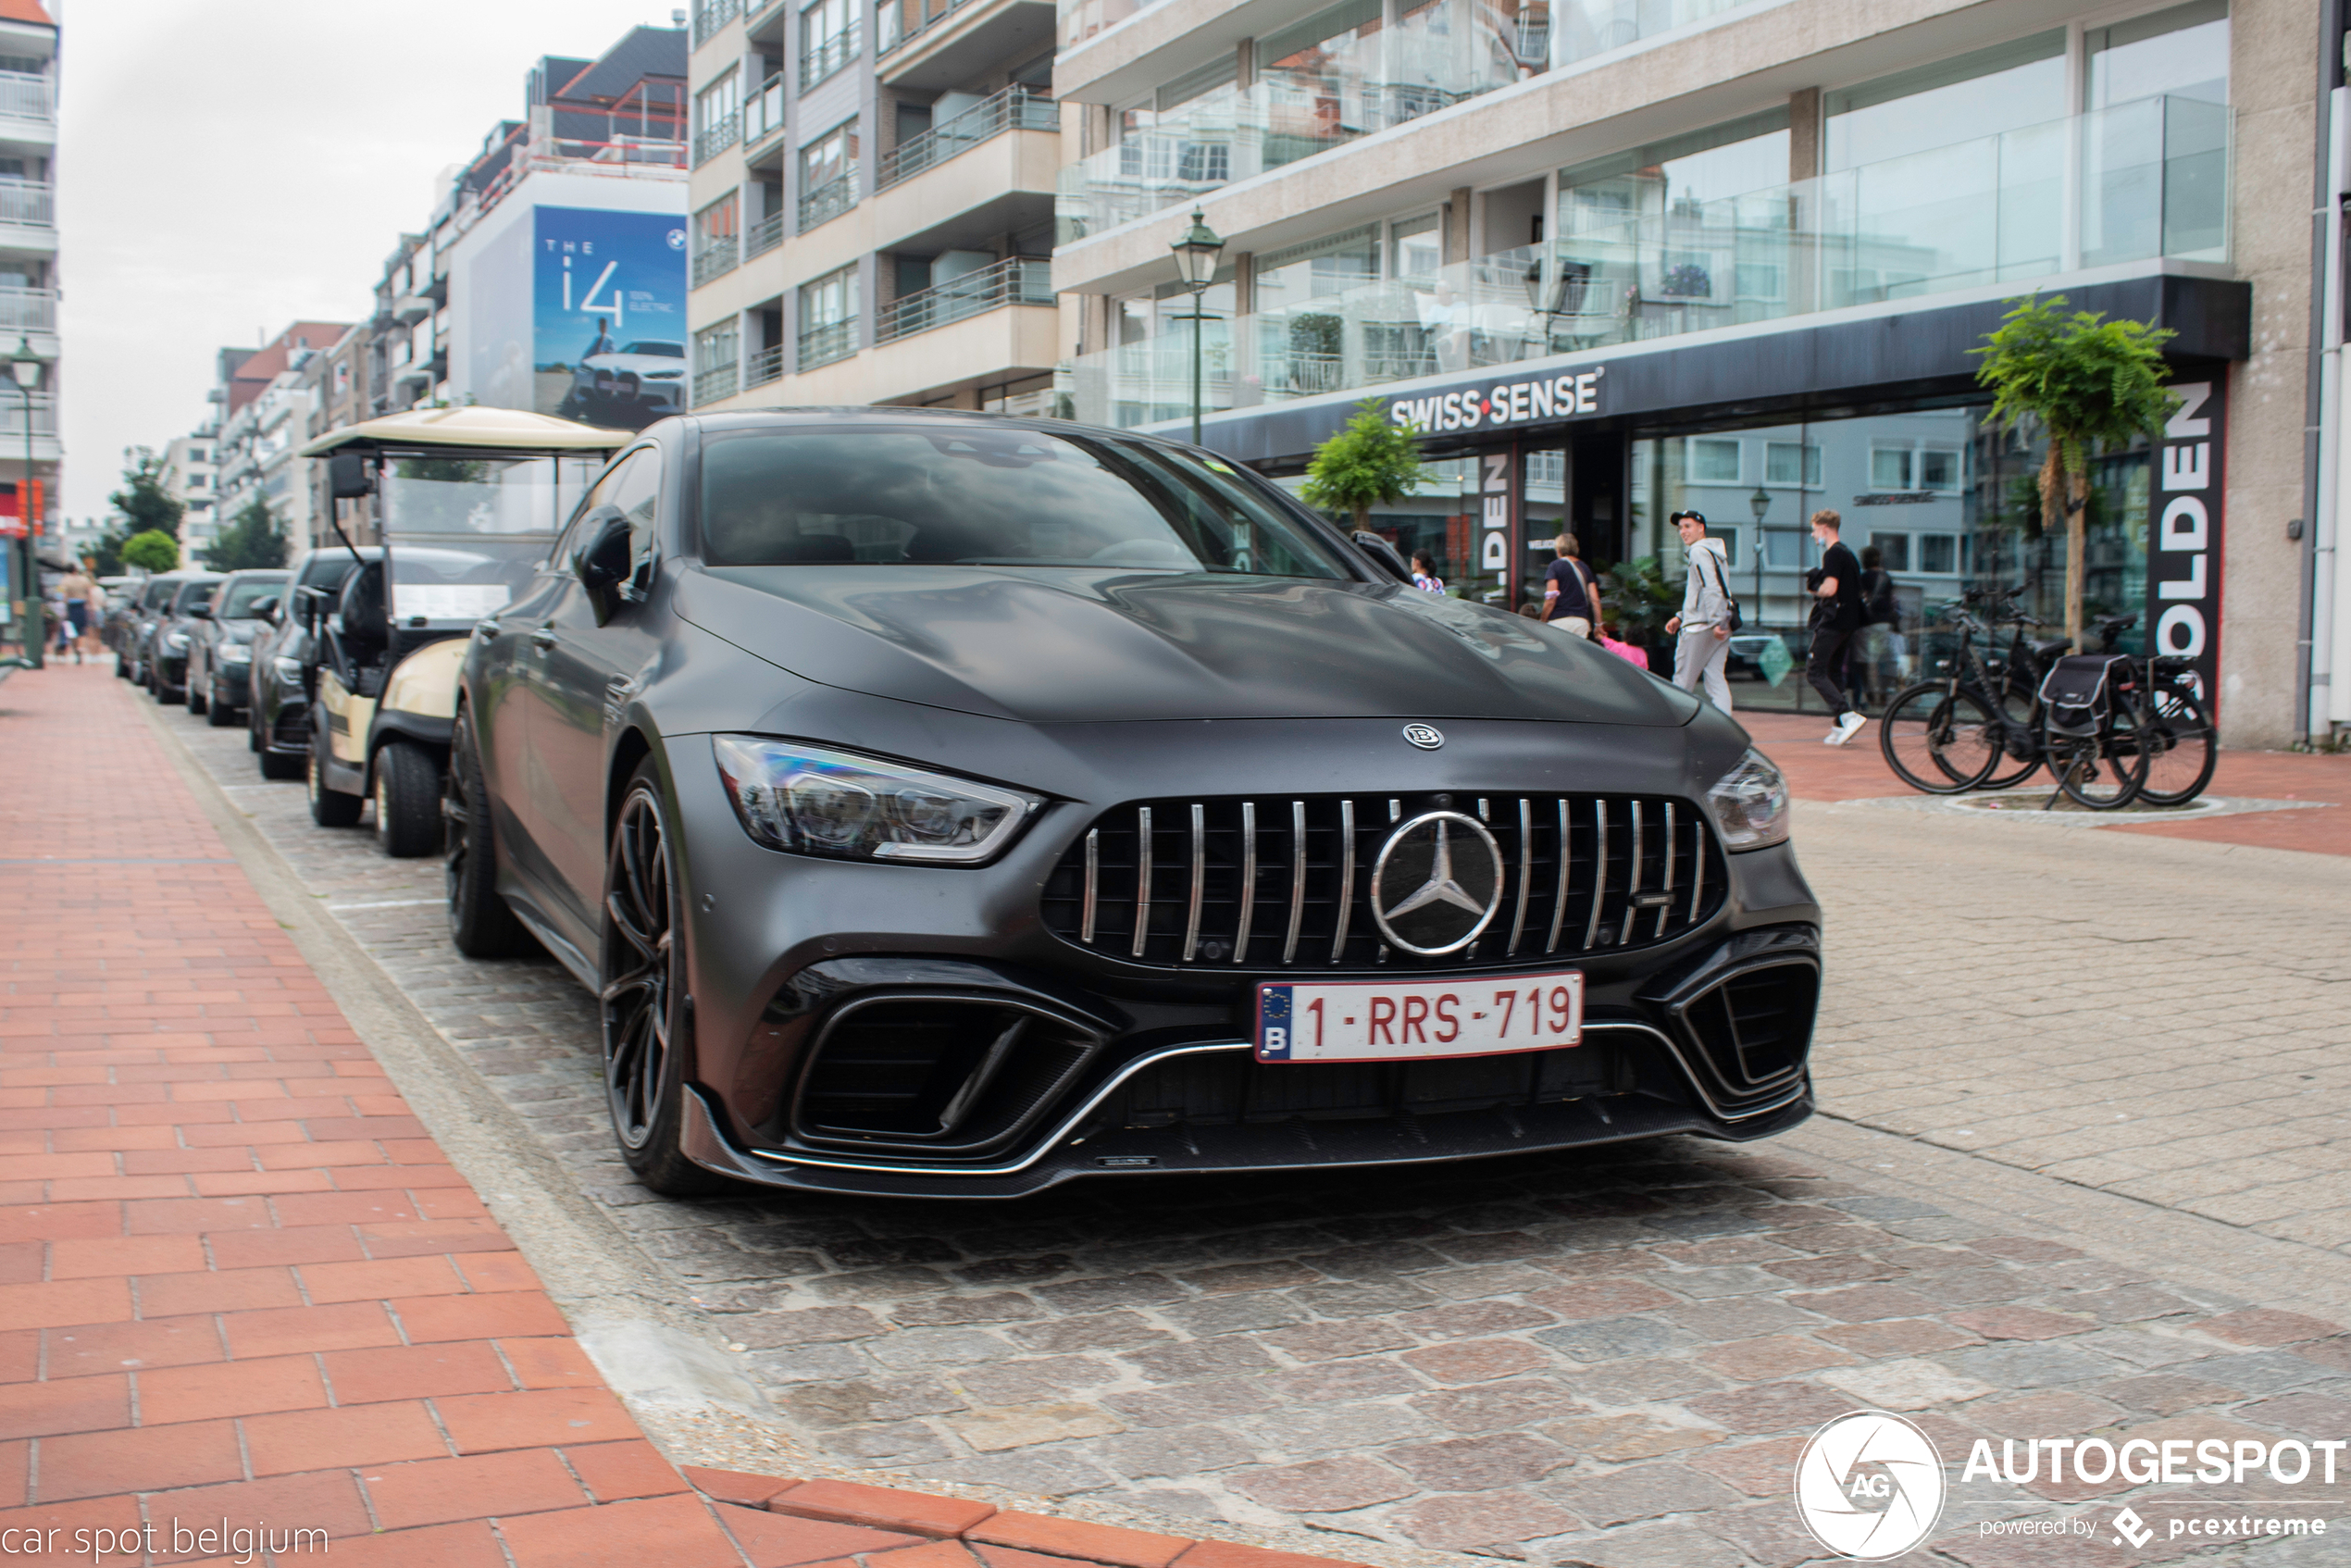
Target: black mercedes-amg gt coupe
x=945, y=803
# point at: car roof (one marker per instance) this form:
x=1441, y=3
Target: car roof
x=787, y=416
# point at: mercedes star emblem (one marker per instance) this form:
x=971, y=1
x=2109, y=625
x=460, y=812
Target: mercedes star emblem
x=1427, y=737
x=1437, y=883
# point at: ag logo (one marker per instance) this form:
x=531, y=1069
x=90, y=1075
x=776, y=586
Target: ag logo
x=1869, y=1486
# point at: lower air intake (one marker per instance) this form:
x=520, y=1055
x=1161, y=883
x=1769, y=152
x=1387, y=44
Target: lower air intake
x=944, y=1074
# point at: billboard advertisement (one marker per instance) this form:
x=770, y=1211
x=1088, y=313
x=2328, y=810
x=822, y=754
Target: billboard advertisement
x=608, y=319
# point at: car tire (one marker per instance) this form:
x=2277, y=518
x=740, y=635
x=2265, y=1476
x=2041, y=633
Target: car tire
x=168, y=694
x=330, y=808
x=642, y=998
x=408, y=824
x=480, y=923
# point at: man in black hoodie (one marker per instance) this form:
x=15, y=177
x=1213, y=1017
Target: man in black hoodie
x=1836, y=617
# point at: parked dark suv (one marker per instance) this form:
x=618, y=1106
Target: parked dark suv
x=285, y=662
x=946, y=803
x=219, y=678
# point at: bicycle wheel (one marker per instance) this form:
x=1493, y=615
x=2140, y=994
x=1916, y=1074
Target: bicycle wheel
x=2106, y=770
x=2182, y=750
x=2017, y=743
x=1935, y=741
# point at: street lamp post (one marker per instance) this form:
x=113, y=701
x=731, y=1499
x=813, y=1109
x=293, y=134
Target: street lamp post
x=1758, y=504
x=25, y=366
x=1196, y=255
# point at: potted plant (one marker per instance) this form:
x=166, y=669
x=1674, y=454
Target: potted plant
x=1638, y=602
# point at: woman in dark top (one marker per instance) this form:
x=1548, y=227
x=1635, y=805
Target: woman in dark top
x=1571, y=590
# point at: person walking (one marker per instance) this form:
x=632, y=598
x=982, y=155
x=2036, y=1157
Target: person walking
x=1424, y=572
x=1703, y=628
x=1571, y=590
x=80, y=591
x=1837, y=616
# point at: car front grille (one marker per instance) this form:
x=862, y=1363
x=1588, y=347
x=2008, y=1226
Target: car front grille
x=1286, y=882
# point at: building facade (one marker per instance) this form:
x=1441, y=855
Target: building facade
x=872, y=204
x=29, y=41
x=265, y=397
x=1612, y=260
x=189, y=477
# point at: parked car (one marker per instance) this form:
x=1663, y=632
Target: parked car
x=940, y=803
x=136, y=624
x=219, y=678
x=174, y=633
x=285, y=662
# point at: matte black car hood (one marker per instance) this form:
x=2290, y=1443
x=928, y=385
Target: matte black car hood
x=1070, y=645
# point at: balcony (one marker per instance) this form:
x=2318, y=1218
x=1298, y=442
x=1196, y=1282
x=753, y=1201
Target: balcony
x=764, y=236
x=1081, y=19
x=28, y=310
x=25, y=96
x=1015, y=108
x=713, y=383
x=717, y=258
x=12, y=418
x=1016, y=280
x=1236, y=133
x=2141, y=182
x=27, y=204
x=826, y=55
x=822, y=345
x=766, y=366
x=898, y=23
x=712, y=15
x=1583, y=28
x=939, y=45
x=764, y=114
x=717, y=137
x=827, y=200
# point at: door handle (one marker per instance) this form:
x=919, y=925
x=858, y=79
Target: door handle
x=542, y=637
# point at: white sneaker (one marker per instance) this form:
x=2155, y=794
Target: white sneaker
x=1848, y=725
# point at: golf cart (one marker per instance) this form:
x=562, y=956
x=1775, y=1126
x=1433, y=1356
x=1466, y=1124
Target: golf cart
x=468, y=502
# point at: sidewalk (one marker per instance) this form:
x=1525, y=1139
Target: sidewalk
x=241, y=1290
x=1859, y=770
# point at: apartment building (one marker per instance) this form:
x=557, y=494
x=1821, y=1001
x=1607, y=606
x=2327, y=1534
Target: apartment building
x=188, y=477
x=1614, y=259
x=873, y=202
x=552, y=275
x=29, y=259
x=265, y=397
x=334, y=384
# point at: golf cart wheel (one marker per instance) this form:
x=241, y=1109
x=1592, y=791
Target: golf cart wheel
x=408, y=822
x=331, y=808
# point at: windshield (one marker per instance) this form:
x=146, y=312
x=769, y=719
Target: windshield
x=463, y=533
x=245, y=593
x=1012, y=498
x=658, y=350
x=193, y=594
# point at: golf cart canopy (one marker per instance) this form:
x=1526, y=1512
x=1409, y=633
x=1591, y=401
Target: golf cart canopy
x=498, y=429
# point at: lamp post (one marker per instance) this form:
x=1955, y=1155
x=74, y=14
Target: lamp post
x=25, y=366
x=1758, y=504
x=1196, y=255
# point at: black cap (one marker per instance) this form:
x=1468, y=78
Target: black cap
x=1692, y=513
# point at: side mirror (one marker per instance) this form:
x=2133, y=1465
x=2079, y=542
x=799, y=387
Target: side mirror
x=1383, y=552
x=350, y=476
x=200, y=612
x=602, y=561
x=265, y=607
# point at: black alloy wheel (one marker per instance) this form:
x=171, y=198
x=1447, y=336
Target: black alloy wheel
x=480, y=923
x=328, y=808
x=408, y=818
x=642, y=997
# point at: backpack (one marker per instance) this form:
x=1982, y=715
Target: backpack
x=2076, y=695
x=1731, y=617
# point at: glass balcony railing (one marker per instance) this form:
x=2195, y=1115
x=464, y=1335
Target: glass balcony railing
x=2140, y=181
x=898, y=23
x=1581, y=29
x=1015, y=108
x=764, y=112
x=1016, y=280
x=1236, y=132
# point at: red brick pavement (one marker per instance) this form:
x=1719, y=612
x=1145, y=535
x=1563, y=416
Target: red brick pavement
x=240, y=1285
x=1832, y=773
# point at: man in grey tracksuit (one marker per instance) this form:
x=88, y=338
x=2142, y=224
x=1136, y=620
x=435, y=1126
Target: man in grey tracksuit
x=1704, y=625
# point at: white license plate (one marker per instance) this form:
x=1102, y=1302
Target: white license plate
x=1391, y=1021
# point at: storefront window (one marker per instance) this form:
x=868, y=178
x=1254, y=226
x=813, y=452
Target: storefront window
x=1945, y=502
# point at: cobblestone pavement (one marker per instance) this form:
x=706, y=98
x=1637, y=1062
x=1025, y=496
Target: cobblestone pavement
x=1609, y=1358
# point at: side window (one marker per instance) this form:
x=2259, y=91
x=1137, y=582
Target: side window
x=636, y=490
x=574, y=537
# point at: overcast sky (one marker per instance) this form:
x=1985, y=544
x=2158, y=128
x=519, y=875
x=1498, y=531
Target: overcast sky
x=230, y=166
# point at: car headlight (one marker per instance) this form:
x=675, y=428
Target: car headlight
x=811, y=801
x=1750, y=805
x=175, y=640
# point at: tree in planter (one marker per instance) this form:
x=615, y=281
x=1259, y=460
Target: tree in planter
x=154, y=551
x=252, y=539
x=1373, y=460
x=2087, y=381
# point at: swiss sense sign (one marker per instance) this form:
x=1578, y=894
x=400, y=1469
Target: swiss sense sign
x=1502, y=404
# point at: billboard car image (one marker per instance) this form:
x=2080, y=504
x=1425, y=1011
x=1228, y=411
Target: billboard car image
x=609, y=316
